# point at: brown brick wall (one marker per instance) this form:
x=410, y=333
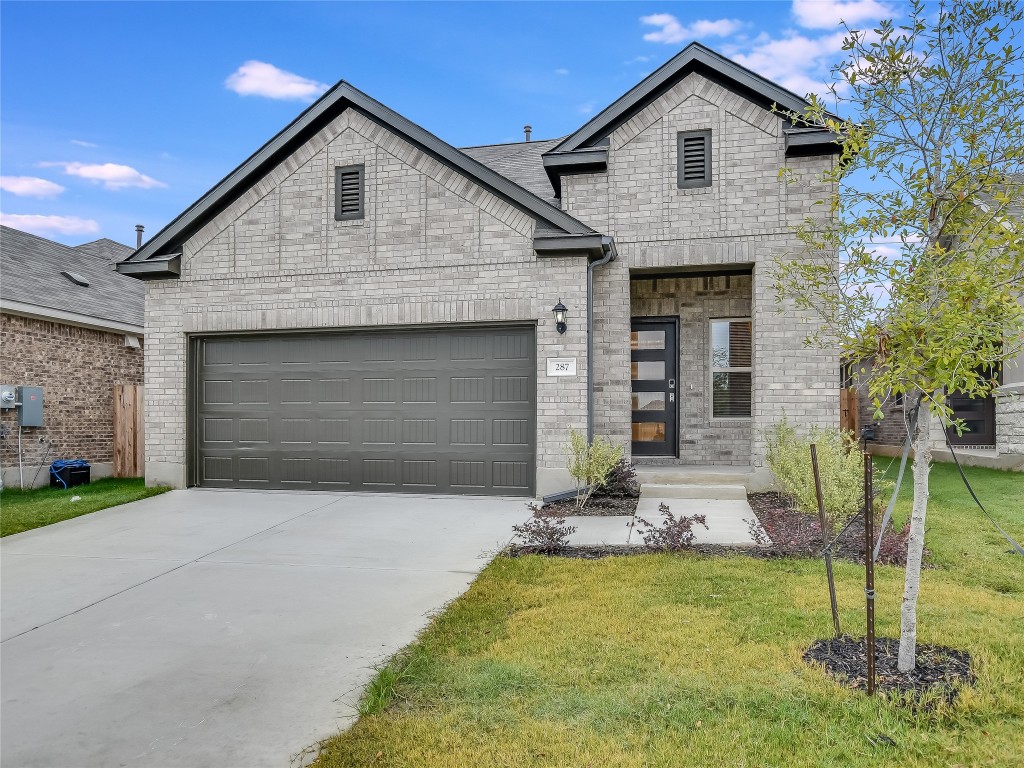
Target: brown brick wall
x=77, y=368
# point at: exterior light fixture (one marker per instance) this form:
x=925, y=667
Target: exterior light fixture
x=559, y=311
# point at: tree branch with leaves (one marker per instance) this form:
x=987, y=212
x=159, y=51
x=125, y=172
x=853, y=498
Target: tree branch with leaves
x=918, y=268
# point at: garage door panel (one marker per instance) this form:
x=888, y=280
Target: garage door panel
x=445, y=411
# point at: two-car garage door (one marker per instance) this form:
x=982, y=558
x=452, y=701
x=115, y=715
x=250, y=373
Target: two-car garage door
x=426, y=411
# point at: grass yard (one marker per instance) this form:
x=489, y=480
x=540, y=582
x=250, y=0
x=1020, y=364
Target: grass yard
x=663, y=660
x=25, y=510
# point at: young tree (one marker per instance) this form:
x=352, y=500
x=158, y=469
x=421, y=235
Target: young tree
x=920, y=266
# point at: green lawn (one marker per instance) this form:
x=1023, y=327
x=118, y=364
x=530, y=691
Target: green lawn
x=25, y=510
x=662, y=660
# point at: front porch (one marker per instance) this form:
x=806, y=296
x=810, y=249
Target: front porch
x=691, y=368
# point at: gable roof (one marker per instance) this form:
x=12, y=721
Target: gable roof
x=159, y=257
x=520, y=162
x=586, y=149
x=33, y=284
x=693, y=58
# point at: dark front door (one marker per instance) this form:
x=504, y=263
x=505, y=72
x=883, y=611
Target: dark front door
x=654, y=364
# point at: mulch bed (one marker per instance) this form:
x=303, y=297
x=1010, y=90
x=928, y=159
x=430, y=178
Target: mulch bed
x=597, y=552
x=796, y=534
x=597, y=506
x=939, y=675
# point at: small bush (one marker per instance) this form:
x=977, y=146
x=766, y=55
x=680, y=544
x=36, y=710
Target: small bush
x=674, y=534
x=621, y=482
x=546, y=531
x=840, y=464
x=590, y=463
x=793, y=533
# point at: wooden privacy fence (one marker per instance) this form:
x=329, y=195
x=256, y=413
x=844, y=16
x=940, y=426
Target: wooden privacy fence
x=129, y=440
x=848, y=410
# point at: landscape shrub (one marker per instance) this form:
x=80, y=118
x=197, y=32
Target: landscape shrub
x=590, y=463
x=545, y=531
x=621, y=482
x=840, y=465
x=674, y=533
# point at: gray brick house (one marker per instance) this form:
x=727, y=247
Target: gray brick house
x=69, y=323
x=361, y=306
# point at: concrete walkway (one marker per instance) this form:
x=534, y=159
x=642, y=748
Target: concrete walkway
x=726, y=521
x=220, y=628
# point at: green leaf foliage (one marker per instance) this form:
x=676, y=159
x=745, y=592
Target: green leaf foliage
x=917, y=268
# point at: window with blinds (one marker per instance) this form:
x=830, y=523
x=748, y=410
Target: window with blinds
x=694, y=154
x=348, y=193
x=731, y=368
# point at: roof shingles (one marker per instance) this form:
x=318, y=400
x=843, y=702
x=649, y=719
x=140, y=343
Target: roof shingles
x=30, y=273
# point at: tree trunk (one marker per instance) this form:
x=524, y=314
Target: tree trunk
x=915, y=544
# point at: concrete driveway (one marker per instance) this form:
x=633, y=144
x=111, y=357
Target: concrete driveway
x=220, y=628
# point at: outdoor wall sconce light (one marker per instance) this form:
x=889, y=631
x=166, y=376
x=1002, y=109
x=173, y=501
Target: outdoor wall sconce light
x=559, y=311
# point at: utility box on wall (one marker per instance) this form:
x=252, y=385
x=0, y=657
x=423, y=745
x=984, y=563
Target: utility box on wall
x=30, y=406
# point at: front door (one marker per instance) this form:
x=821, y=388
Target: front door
x=654, y=364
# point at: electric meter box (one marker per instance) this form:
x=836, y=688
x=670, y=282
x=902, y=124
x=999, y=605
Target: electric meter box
x=30, y=406
x=8, y=397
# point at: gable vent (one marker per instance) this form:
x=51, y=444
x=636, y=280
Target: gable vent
x=695, y=159
x=76, y=278
x=348, y=193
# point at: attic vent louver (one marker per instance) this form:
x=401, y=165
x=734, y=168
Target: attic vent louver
x=76, y=278
x=348, y=193
x=694, y=159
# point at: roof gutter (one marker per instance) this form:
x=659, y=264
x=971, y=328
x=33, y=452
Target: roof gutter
x=152, y=269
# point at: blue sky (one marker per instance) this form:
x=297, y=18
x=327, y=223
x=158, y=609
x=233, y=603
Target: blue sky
x=113, y=114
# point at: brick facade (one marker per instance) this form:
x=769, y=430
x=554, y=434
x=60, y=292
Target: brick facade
x=1010, y=420
x=744, y=218
x=435, y=247
x=77, y=368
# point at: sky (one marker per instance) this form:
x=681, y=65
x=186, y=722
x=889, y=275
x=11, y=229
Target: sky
x=121, y=113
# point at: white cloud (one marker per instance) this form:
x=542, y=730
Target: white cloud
x=826, y=14
x=673, y=32
x=257, y=78
x=80, y=143
x=29, y=186
x=41, y=225
x=110, y=175
x=586, y=109
x=561, y=71
x=796, y=62
x=639, y=60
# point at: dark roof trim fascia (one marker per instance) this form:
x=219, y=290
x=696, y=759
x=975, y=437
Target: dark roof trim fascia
x=811, y=142
x=552, y=245
x=152, y=269
x=585, y=160
x=693, y=56
x=332, y=103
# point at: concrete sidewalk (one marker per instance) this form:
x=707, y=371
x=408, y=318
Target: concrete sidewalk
x=726, y=521
x=220, y=628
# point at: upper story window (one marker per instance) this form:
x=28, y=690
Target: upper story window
x=731, y=369
x=694, y=154
x=349, y=195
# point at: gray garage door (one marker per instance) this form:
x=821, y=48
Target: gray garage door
x=439, y=411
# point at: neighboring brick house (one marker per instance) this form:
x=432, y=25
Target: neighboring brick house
x=76, y=341
x=361, y=306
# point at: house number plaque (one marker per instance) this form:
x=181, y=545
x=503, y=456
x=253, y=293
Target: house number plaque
x=561, y=366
